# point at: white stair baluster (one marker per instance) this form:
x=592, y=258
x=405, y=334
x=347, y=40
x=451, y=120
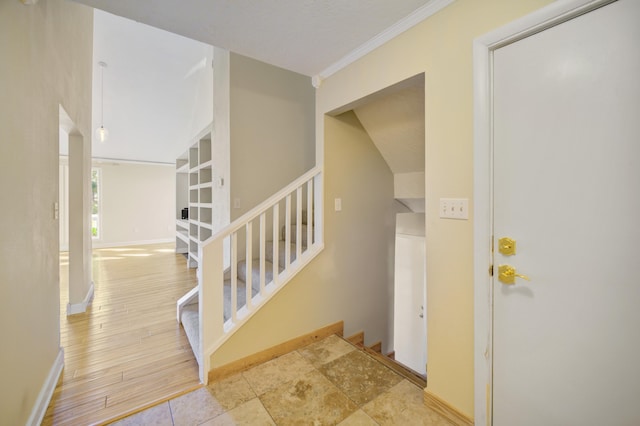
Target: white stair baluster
x=287, y=234
x=263, y=221
x=234, y=277
x=309, y=212
x=276, y=243
x=298, y=224
x=249, y=261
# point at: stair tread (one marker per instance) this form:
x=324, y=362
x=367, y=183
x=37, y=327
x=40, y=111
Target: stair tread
x=399, y=368
x=255, y=269
x=357, y=340
x=189, y=314
x=281, y=252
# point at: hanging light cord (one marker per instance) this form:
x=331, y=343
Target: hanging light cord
x=101, y=132
x=102, y=64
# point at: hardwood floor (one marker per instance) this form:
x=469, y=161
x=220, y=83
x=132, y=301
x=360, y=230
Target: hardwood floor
x=127, y=351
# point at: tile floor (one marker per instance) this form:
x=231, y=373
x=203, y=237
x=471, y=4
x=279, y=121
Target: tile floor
x=329, y=382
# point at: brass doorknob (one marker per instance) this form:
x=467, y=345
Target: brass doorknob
x=507, y=275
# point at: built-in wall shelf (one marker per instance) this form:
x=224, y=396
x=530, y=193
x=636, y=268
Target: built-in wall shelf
x=183, y=235
x=194, y=188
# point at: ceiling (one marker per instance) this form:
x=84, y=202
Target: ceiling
x=158, y=90
x=304, y=36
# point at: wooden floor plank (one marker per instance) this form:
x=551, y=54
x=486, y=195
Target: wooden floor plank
x=127, y=351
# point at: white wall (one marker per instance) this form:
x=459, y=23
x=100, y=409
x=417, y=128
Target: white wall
x=45, y=57
x=137, y=203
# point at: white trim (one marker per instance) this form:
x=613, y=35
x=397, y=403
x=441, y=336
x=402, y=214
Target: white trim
x=103, y=160
x=46, y=392
x=98, y=244
x=483, y=48
x=424, y=12
x=186, y=300
x=100, y=160
x=78, y=308
x=264, y=206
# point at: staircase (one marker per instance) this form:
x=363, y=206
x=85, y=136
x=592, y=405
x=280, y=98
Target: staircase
x=375, y=350
x=189, y=315
x=287, y=237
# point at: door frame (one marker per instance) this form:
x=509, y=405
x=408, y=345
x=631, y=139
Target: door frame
x=483, y=48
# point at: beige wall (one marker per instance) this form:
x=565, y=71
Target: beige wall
x=45, y=57
x=441, y=47
x=352, y=279
x=137, y=203
x=272, y=130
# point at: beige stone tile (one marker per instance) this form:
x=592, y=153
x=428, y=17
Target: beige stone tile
x=326, y=350
x=232, y=391
x=195, y=407
x=159, y=415
x=359, y=418
x=309, y=400
x=360, y=377
x=272, y=374
x=403, y=405
x=249, y=413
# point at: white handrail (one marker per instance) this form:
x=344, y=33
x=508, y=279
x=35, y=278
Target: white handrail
x=264, y=206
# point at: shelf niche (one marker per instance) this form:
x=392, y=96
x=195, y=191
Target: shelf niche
x=193, y=190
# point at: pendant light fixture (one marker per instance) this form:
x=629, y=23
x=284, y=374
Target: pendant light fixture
x=102, y=133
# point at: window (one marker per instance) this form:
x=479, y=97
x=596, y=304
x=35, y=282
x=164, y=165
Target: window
x=95, y=203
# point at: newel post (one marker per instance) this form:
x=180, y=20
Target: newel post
x=210, y=298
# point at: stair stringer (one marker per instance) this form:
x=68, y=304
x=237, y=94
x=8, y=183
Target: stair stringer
x=185, y=300
x=259, y=301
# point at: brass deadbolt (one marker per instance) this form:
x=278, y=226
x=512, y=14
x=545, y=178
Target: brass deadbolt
x=507, y=246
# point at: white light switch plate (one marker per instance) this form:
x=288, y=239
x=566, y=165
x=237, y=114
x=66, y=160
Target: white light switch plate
x=454, y=208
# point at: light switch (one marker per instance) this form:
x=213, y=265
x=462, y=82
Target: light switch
x=454, y=208
x=56, y=210
x=236, y=203
x=337, y=204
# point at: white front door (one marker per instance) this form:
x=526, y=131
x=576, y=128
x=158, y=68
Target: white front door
x=566, y=105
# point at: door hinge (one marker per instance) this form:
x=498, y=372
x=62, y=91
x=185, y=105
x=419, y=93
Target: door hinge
x=490, y=270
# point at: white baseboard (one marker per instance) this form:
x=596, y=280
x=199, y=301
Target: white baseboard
x=98, y=244
x=78, y=308
x=46, y=392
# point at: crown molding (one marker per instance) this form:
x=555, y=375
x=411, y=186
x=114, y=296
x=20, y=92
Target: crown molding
x=393, y=31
